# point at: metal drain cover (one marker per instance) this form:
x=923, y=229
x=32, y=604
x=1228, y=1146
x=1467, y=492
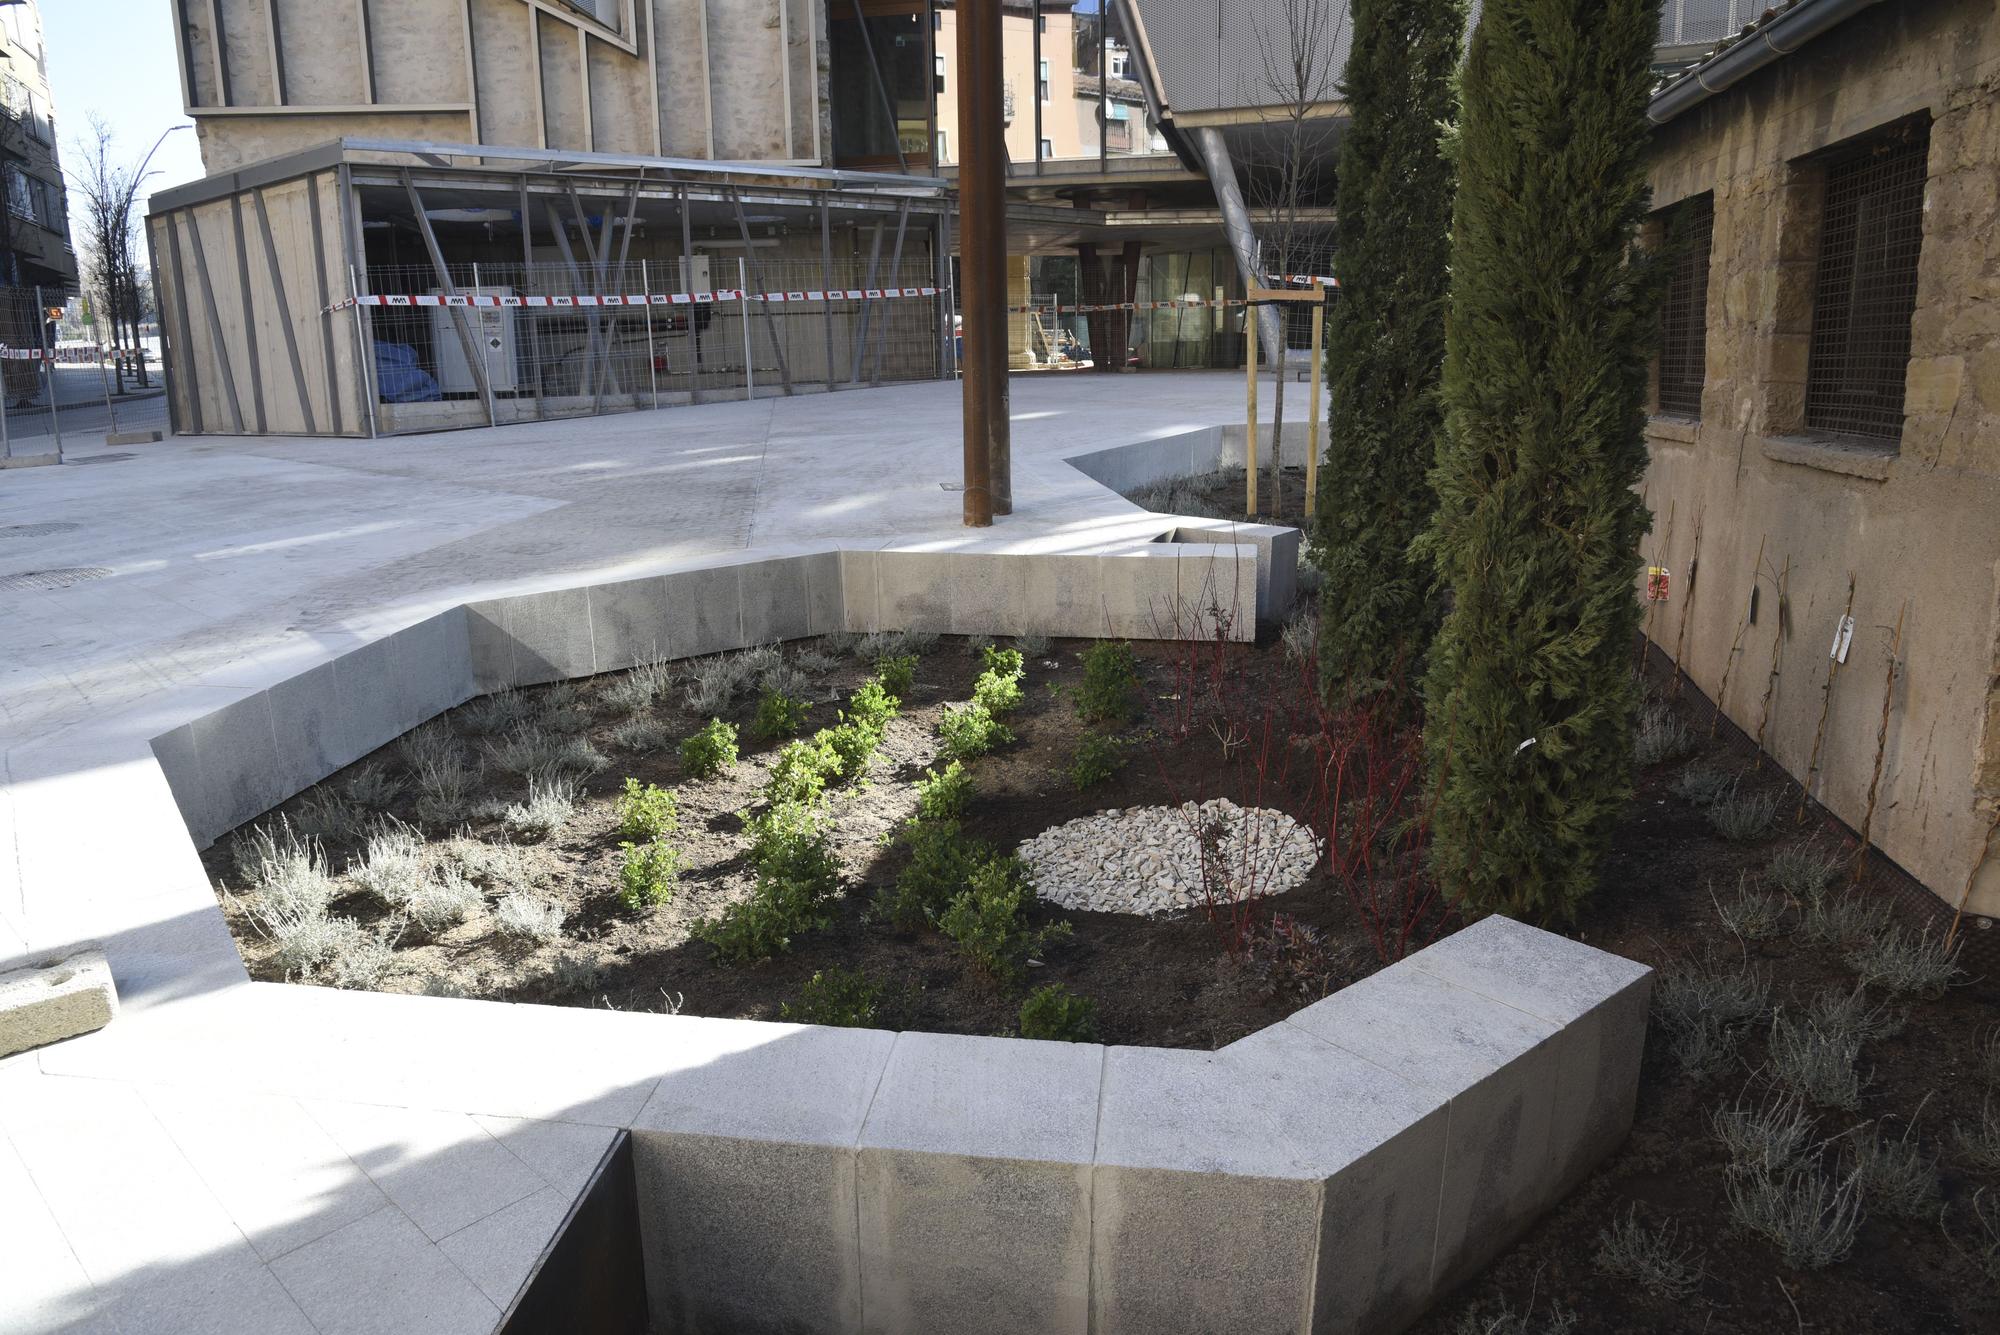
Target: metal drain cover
x=60, y=578
x=38, y=530
x=98, y=459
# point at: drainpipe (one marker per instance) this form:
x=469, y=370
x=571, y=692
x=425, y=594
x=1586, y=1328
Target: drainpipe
x=1781, y=36
x=1236, y=226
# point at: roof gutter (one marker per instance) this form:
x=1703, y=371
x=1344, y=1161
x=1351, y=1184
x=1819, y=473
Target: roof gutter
x=1781, y=36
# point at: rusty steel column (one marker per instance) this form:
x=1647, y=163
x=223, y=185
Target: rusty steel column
x=982, y=250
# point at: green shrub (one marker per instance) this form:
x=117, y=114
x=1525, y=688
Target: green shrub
x=897, y=674
x=647, y=811
x=943, y=795
x=648, y=874
x=970, y=730
x=1110, y=689
x=1097, y=759
x=872, y=705
x=764, y=924
x=1054, y=1013
x=988, y=921
x=844, y=998
x=802, y=771
x=999, y=692
x=941, y=864
x=779, y=715
x=709, y=752
x=790, y=842
x=1529, y=694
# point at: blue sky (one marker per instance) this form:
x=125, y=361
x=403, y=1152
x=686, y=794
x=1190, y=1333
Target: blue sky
x=116, y=58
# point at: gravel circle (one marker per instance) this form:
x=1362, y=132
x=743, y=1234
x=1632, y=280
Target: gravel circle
x=1147, y=860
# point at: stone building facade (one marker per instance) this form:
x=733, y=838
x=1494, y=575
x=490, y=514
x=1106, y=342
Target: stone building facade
x=1777, y=431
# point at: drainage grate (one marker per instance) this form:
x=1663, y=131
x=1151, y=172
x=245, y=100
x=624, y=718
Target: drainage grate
x=98, y=459
x=60, y=578
x=38, y=530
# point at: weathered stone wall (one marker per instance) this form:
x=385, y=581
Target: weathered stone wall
x=1916, y=528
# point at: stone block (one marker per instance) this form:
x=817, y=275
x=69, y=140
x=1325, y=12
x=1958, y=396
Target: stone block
x=707, y=605
x=1139, y=593
x=174, y=750
x=1599, y=1002
x=1496, y=1066
x=914, y=590
x=241, y=776
x=630, y=622
x=1216, y=587
x=55, y=997
x=860, y=596
x=744, y=1156
x=433, y=665
x=552, y=636
x=489, y=646
x=825, y=607
x=314, y=736
x=1062, y=595
x=776, y=600
x=974, y=1186
x=1315, y=1211
x=989, y=594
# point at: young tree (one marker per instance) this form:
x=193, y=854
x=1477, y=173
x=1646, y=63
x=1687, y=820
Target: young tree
x=1298, y=50
x=108, y=239
x=1385, y=342
x=1530, y=692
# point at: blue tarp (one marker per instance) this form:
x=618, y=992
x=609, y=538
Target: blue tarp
x=398, y=378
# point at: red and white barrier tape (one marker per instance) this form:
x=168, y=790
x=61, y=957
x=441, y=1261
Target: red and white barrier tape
x=630, y=299
x=70, y=356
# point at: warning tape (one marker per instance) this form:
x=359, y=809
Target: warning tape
x=629, y=299
x=589, y=302
x=71, y=356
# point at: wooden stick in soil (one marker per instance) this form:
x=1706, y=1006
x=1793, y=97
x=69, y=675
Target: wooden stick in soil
x=1825, y=704
x=1736, y=647
x=1777, y=651
x=1687, y=607
x=1881, y=743
x=1653, y=612
x=1978, y=861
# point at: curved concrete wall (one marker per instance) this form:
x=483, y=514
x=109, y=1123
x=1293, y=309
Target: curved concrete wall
x=1334, y=1172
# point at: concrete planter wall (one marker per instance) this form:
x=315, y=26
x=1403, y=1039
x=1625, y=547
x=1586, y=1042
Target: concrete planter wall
x=1334, y=1172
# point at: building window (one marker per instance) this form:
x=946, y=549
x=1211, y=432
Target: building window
x=1042, y=82
x=1048, y=148
x=943, y=147
x=1865, y=284
x=1689, y=229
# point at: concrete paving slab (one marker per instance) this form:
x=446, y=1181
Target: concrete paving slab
x=441, y=1169
x=410, y=1285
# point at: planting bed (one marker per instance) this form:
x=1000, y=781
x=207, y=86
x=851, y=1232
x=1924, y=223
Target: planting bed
x=1893, y=1176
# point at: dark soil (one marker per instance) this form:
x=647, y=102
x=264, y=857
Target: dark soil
x=1168, y=981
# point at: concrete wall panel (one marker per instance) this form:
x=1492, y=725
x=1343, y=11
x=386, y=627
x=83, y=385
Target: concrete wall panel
x=565, y=99
x=621, y=105
x=745, y=50
x=246, y=52
x=503, y=42
x=420, y=57
x=682, y=70
x=325, y=62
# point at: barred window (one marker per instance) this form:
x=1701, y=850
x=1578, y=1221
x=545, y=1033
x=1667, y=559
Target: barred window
x=1865, y=286
x=1689, y=234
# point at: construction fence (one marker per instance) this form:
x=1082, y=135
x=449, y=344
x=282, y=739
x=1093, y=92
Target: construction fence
x=540, y=345
x=49, y=387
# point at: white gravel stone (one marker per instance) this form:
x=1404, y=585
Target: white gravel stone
x=1148, y=860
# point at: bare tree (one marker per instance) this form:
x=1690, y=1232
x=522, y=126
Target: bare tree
x=109, y=240
x=1298, y=50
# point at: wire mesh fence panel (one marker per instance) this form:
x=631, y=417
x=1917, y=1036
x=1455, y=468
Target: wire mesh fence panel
x=545, y=341
x=44, y=380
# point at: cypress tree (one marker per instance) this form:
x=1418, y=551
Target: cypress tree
x=1385, y=342
x=1530, y=692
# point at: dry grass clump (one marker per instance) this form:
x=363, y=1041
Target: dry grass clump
x=1809, y=1213
x=443, y=901
x=1897, y=1177
x=551, y=801
x=1918, y=963
x=534, y=749
x=500, y=712
x=446, y=790
x=391, y=867
x=1802, y=872
x=1766, y=1135
x=1648, y=1257
x=1740, y=817
x=529, y=917
x=1703, y=1007
x=1661, y=737
x=1820, y=1064
x=1752, y=914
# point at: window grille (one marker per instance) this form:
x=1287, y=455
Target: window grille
x=1865, y=287
x=1690, y=233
